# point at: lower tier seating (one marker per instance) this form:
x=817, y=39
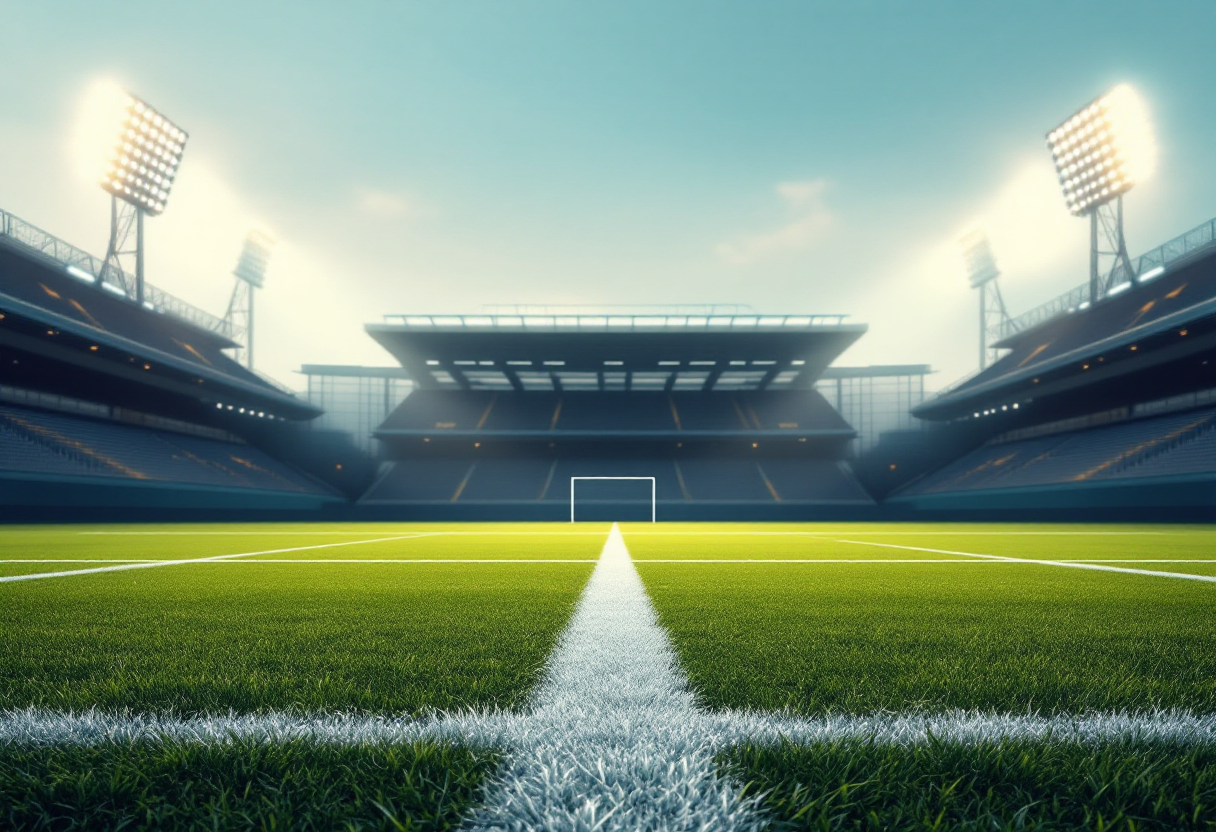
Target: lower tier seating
x=1162, y=446
x=40, y=442
x=541, y=479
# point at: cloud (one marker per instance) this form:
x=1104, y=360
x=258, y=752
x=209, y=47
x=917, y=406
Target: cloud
x=386, y=205
x=811, y=221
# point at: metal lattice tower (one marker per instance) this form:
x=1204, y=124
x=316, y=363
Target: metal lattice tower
x=985, y=276
x=1109, y=264
x=250, y=275
x=124, y=266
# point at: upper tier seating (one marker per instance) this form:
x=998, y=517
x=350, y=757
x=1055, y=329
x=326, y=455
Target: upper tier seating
x=1141, y=305
x=1178, y=443
x=39, y=442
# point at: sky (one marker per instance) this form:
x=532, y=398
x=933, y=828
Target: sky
x=439, y=157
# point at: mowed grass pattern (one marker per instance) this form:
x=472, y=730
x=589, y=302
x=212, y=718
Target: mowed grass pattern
x=212, y=637
x=1005, y=784
x=240, y=785
x=860, y=638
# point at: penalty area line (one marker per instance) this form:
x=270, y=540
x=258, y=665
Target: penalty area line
x=122, y=567
x=1098, y=567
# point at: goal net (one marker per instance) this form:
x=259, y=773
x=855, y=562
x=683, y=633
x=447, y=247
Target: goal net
x=574, y=481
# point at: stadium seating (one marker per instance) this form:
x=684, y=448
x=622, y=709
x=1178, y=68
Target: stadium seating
x=89, y=305
x=438, y=410
x=686, y=479
x=1136, y=307
x=1170, y=445
x=41, y=442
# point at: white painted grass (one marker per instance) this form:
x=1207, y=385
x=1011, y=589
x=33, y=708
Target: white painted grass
x=1071, y=564
x=124, y=566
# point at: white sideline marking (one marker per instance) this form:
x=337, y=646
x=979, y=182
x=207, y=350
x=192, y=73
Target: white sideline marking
x=153, y=564
x=347, y=534
x=826, y=533
x=1070, y=564
x=970, y=561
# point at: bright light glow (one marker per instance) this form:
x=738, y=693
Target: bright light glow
x=1103, y=150
x=1151, y=273
x=117, y=142
x=81, y=274
x=110, y=287
x=1122, y=287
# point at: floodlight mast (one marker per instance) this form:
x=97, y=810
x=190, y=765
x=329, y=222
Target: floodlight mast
x=250, y=273
x=143, y=165
x=984, y=275
x=1100, y=153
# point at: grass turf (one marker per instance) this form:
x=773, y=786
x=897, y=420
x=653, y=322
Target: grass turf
x=209, y=638
x=239, y=785
x=1000, y=785
x=865, y=637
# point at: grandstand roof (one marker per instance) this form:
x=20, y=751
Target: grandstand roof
x=60, y=318
x=615, y=352
x=1139, y=328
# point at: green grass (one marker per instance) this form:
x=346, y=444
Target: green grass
x=882, y=541
x=215, y=637
x=856, y=785
x=239, y=786
x=860, y=638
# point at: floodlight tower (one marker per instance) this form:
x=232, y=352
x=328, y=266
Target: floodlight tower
x=140, y=174
x=1100, y=153
x=984, y=275
x=250, y=274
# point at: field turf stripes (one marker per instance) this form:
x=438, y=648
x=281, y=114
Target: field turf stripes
x=1064, y=563
x=122, y=567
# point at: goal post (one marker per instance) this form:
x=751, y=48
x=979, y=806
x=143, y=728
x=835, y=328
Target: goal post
x=574, y=480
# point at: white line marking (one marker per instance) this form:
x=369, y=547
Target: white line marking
x=825, y=534
x=1069, y=564
x=612, y=740
x=348, y=534
x=35, y=726
x=153, y=564
x=970, y=561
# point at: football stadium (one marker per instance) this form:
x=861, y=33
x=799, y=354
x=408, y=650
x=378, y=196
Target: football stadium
x=580, y=567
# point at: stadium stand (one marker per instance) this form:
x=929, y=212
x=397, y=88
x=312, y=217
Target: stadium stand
x=1104, y=406
x=1162, y=446
x=108, y=403
x=727, y=421
x=40, y=442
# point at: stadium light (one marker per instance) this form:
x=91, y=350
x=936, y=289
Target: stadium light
x=250, y=275
x=1103, y=150
x=985, y=276
x=1100, y=152
x=145, y=158
x=139, y=172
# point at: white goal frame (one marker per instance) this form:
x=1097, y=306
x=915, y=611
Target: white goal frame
x=573, y=480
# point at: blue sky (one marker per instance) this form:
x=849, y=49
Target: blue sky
x=435, y=157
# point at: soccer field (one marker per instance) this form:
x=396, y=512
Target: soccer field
x=679, y=675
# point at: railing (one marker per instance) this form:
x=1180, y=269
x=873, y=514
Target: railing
x=615, y=322
x=67, y=255
x=1197, y=239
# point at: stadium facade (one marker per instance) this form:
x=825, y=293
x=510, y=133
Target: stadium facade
x=721, y=410
x=116, y=409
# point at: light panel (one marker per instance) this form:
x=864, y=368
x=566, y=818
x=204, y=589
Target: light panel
x=144, y=161
x=1103, y=150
